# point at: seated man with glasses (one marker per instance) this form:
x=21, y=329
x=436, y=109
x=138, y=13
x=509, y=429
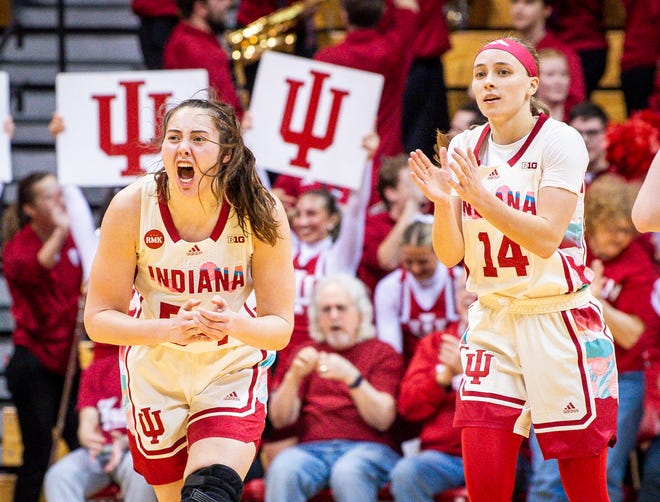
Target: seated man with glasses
x=342, y=391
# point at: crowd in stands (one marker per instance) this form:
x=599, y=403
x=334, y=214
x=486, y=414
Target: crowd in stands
x=364, y=394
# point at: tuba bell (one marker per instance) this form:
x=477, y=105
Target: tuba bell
x=271, y=32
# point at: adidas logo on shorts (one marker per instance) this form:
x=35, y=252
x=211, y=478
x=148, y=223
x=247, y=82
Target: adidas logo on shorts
x=232, y=396
x=570, y=408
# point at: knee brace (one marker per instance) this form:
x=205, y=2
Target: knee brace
x=215, y=483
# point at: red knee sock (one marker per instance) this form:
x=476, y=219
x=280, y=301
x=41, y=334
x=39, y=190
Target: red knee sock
x=489, y=461
x=585, y=478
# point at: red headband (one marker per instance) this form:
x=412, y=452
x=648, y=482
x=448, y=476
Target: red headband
x=517, y=50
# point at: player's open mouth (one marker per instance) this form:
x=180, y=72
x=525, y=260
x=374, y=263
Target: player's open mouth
x=185, y=172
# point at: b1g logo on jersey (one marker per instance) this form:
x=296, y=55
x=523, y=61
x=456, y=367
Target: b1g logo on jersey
x=529, y=165
x=154, y=239
x=235, y=239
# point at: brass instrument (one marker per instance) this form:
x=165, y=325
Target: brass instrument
x=269, y=32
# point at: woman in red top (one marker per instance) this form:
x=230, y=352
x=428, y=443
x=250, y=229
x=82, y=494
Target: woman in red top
x=44, y=273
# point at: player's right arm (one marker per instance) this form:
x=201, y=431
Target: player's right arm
x=447, y=232
x=111, y=283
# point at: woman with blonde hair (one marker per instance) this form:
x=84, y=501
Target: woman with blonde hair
x=508, y=202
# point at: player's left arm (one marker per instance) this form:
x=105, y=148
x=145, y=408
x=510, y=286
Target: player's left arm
x=272, y=273
x=564, y=163
x=540, y=233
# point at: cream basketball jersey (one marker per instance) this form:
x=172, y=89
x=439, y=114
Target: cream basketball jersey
x=551, y=155
x=171, y=270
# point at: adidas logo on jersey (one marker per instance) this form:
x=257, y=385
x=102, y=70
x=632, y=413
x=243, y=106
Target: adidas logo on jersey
x=570, y=408
x=194, y=251
x=494, y=175
x=232, y=396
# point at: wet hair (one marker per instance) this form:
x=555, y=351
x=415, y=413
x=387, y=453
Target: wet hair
x=608, y=198
x=388, y=175
x=14, y=217
x=237, y=180
x=357, y=292
x=364, y=13
x=588, y=110
x=418, y=233
x=329, y=204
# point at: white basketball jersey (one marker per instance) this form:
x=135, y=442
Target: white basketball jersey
x=171, y=270
x=551, y=155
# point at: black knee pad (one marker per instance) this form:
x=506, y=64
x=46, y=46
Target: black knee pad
x=215, y=483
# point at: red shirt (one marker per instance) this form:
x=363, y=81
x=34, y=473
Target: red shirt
x=328, y=410
x=581, y=24
x=251, y=10
x=44, y=301
x=190, y=48
x=652, y=373
x=421, y=399
x=154, y=8
x=380, y=52
x=432, y=39
x=577, y=91
x=100, y=388
x=629, y=284
x=377, y=227
x=641, y=42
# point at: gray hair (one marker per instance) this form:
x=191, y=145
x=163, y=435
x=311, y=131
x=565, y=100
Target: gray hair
x=358, y=293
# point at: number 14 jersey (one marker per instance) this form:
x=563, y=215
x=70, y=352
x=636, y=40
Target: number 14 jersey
x=553, y=154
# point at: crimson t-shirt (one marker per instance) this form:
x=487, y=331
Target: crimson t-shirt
x=44, y=301
x=327, y=408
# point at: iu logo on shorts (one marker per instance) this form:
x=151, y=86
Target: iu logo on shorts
x=478, y=365
x=152, y=425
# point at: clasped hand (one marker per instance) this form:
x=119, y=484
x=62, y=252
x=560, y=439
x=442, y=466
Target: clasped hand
x=326, y=364
x=193, y=323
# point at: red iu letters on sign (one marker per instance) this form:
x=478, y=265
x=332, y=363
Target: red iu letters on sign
x=133, y=148
x=305, y=139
